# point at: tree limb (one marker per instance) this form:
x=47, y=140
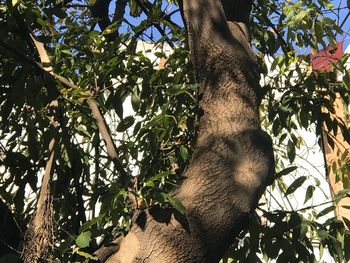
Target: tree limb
x=99, y=10
x=101, y=123
x=119, y=10
x=38, y=241
x=111, y=148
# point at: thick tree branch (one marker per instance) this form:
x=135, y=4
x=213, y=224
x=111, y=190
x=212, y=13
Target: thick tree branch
x=119, y=10
x=39, y=235
x=233, y=159
x=110, y=146
x=99, y=10
x=38, y=242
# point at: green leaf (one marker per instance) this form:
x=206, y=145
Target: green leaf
x=91, y=222
x=159, y=197
x=125, y=123
x=322, y=234
x=135, y=10
x=183, y=152
x=83, y=240
x=277, y=61
x=341, y=194
x=87, y=255
x=347, y=246
x=176, y=204
x=161, y=175
x=285, y=171
x=301, y=14
x=303, y=230
x=3, y=8
x=291, y=151
x=15, y=2
x=135, y=102
x=326, y=211
x=83, y=131
x=309, y=193
x=295, y=185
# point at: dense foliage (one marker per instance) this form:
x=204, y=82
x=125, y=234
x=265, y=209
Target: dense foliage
x=151, y=112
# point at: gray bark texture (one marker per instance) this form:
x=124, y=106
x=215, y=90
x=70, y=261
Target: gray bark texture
x=233, y=160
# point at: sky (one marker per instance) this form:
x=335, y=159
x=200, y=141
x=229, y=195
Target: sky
x=341, y=11
x=344, y=21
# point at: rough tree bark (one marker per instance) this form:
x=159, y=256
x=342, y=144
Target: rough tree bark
x=233, y=160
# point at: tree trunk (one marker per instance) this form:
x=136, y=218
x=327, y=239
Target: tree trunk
x=339, y=151
x=233, y=159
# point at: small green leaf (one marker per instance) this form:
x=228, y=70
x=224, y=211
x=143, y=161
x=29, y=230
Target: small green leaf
x=83, y=131
x=3, y=8
x=66, y=51
x=125, y=123
x=322, y=234
x=183, y=152
x=291, y=151
x=83, y=240
x=285, y=171
x=159, y=197
x=176, y=204
x=135, y=102
x=86, y=255
x=309, y=193
x=15, y=2
x=41, y=21
x=150, y=184
x=295, y=185
x=326, y=211
x=303, y=230
x=347, y=245
x=160, y=176
x=91, y=222
x=341, y=194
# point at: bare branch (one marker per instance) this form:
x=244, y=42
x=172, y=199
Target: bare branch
x=101, y=123
x=105, y=134
x=38, y=241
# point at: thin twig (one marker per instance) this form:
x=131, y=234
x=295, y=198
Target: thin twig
x=156, y=25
